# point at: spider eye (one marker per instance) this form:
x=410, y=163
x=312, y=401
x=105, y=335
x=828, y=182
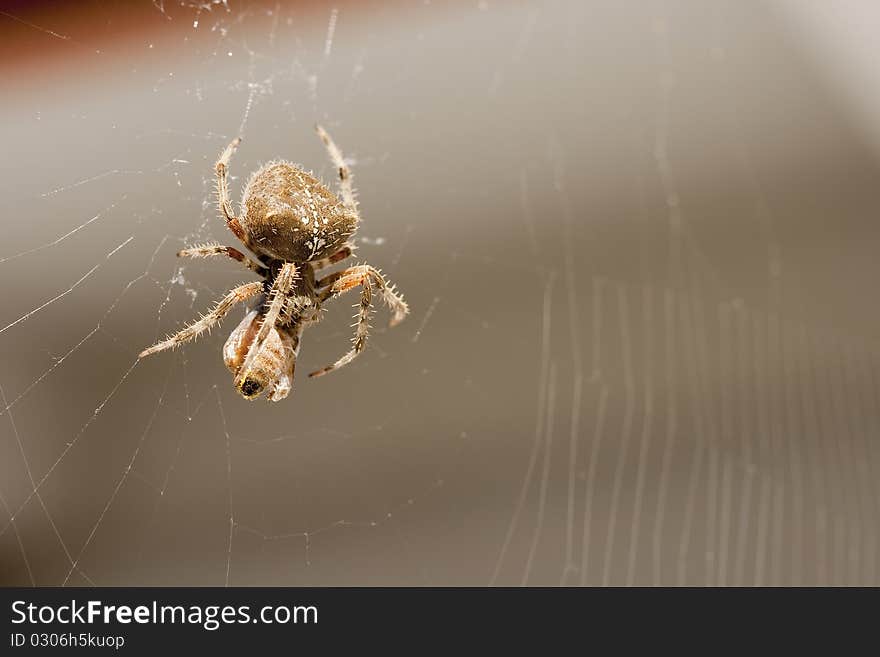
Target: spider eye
x=251, y=387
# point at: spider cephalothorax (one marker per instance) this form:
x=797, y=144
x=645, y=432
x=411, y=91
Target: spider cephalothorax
x=295, y=226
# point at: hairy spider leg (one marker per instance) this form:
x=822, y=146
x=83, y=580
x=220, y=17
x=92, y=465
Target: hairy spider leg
x=210, y=250
x=348, y=279
x=237, y=295
x=342, y=169
x=279, y=297
x=341, y=254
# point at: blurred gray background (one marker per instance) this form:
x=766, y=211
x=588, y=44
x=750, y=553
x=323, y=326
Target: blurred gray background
x=638, y=240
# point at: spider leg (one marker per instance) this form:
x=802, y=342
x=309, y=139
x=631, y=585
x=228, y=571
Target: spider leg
x=341, y=254
x=246, y=380
x=342, y=169
x=360, y=335
x=210, y=250
x=222, y=167
x=241, y=293
x=348, y=279
x=342, y=281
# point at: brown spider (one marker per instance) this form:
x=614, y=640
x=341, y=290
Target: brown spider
x=295, y=226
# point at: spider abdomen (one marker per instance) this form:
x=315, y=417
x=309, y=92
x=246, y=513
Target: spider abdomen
x=290, y=215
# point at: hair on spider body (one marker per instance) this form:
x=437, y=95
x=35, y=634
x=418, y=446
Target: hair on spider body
x=289, y=215
x=295, y=226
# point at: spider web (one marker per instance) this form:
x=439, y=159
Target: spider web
x=629, y=359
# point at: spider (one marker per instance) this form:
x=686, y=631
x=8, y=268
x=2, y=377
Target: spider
x=295, y=226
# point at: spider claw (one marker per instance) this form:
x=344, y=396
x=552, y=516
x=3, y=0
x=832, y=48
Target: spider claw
x=149, y=351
